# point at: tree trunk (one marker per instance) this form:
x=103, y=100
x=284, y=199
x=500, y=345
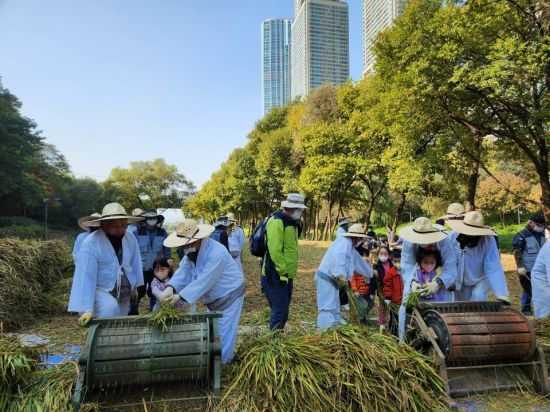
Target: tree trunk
x=325, y=227
x=316, y=229
x=368, y=213
x=473, y=176
x=399, y=211
x=329, y=220
x=502, y=220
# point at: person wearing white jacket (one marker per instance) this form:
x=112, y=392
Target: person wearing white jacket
x=236, y=240
x=540, y=280
x=336, y=269
x=478, y=260
x=423, y=234
x=108, y=268
x=207, y=273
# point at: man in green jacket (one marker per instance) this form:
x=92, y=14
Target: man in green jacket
x=280, y=262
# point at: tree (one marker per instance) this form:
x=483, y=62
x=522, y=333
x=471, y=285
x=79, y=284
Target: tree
x=494, y=199
x=481, y=64
x=149, y=185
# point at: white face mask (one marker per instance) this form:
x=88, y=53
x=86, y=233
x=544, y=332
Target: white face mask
x=151, y=222
x=190, y=250
x=538, y=229
x=383, y=258
x=297, y=215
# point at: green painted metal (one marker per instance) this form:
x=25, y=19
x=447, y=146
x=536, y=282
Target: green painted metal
x=128, y=351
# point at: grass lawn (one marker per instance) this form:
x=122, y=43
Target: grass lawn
x=63, y=332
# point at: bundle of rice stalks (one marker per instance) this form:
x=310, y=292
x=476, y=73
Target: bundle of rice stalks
x=345, y=369
x=48, y=390
x=412, y=300
x=27, y=268
x=17, y=363
x=165, y=315
x=542, y=330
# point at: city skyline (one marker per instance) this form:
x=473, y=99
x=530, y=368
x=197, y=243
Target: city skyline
x=377, y=15
x=320, y=45
x=275, y=40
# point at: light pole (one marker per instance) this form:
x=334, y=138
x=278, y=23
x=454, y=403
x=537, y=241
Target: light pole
x=46, y=201
x=519, y=217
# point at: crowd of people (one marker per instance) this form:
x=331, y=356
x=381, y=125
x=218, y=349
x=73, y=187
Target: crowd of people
x=121, y=258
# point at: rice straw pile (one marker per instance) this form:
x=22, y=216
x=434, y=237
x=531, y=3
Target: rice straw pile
x=344, y=369
x=28, y=269
x=542, y=330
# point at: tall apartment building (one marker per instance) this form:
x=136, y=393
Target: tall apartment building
x=320, y=45
x=377, y=15
x=275, y=63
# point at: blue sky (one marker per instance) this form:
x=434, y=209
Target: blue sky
x=111, y=81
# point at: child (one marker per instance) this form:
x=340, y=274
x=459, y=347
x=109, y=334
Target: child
x=360, y=286
x=163, y=273
x=381, y=267
x=393, y=290
x=428, y=263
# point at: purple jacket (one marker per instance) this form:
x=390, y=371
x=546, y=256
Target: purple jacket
x=424, y=278
x=157, y=287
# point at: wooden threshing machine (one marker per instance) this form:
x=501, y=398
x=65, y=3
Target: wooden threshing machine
x=128, y=352
x=480, y=347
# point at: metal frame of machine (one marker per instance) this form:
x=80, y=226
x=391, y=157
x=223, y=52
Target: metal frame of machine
x=489, y=356
x=123, y=351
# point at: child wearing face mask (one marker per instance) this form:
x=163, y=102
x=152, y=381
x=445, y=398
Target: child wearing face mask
x=393, y=290
x=428, y=269
x=382, y=266
x=163, y=273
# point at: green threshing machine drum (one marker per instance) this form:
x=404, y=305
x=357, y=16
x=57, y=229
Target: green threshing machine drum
x=128, y=351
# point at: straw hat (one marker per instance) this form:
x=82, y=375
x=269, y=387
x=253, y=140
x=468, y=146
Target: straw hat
x=355, y=230
x=343, y=221
x=223, y=221
x=294, y=201
x=454, y=211
x=422, y=231
x=113, y=211
x=231, y=217
x=472, y=225
x=137, y=212
x=85, y=219
x=187, y=232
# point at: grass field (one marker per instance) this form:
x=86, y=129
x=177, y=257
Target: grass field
x=63, y=332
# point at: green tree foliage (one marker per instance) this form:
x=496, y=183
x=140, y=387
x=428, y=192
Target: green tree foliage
x=148, y=184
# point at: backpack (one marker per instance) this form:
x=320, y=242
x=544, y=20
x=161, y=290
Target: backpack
x=258, y=243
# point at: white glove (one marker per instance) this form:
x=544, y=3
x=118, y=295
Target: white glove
x=414, y=286
x=504, y=299
x=166, y=294
x=85, y=318
x=522, y=271
x=175, y=298
x=387, y=302
x=432, y=287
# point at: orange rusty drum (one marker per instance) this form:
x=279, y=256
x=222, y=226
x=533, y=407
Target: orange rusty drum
x=483, y=336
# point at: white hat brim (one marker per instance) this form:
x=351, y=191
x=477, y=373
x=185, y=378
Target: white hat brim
x=347, y=234
x=96, y=222
x=469, y=230
x=291, y=205
x=409, y=235
x=83, y=220
x=173, y=240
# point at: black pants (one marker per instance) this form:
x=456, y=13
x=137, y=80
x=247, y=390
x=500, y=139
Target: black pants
x=525, y=282
x=148, y=276
x=278, y=295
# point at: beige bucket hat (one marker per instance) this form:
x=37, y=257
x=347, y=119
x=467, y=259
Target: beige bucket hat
x=422, y=231
x=231, y=217
x=187, y=232
x=85, y=219
x=137, y=212
x=454, y=211
x=472, y=225
x=355, y=230
x=113, y=211
x=294, y=201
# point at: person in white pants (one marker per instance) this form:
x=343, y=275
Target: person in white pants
x=207, y=273
x=108, y=267
x=336, y=269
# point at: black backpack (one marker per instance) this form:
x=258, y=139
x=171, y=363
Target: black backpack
x=258, y=243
